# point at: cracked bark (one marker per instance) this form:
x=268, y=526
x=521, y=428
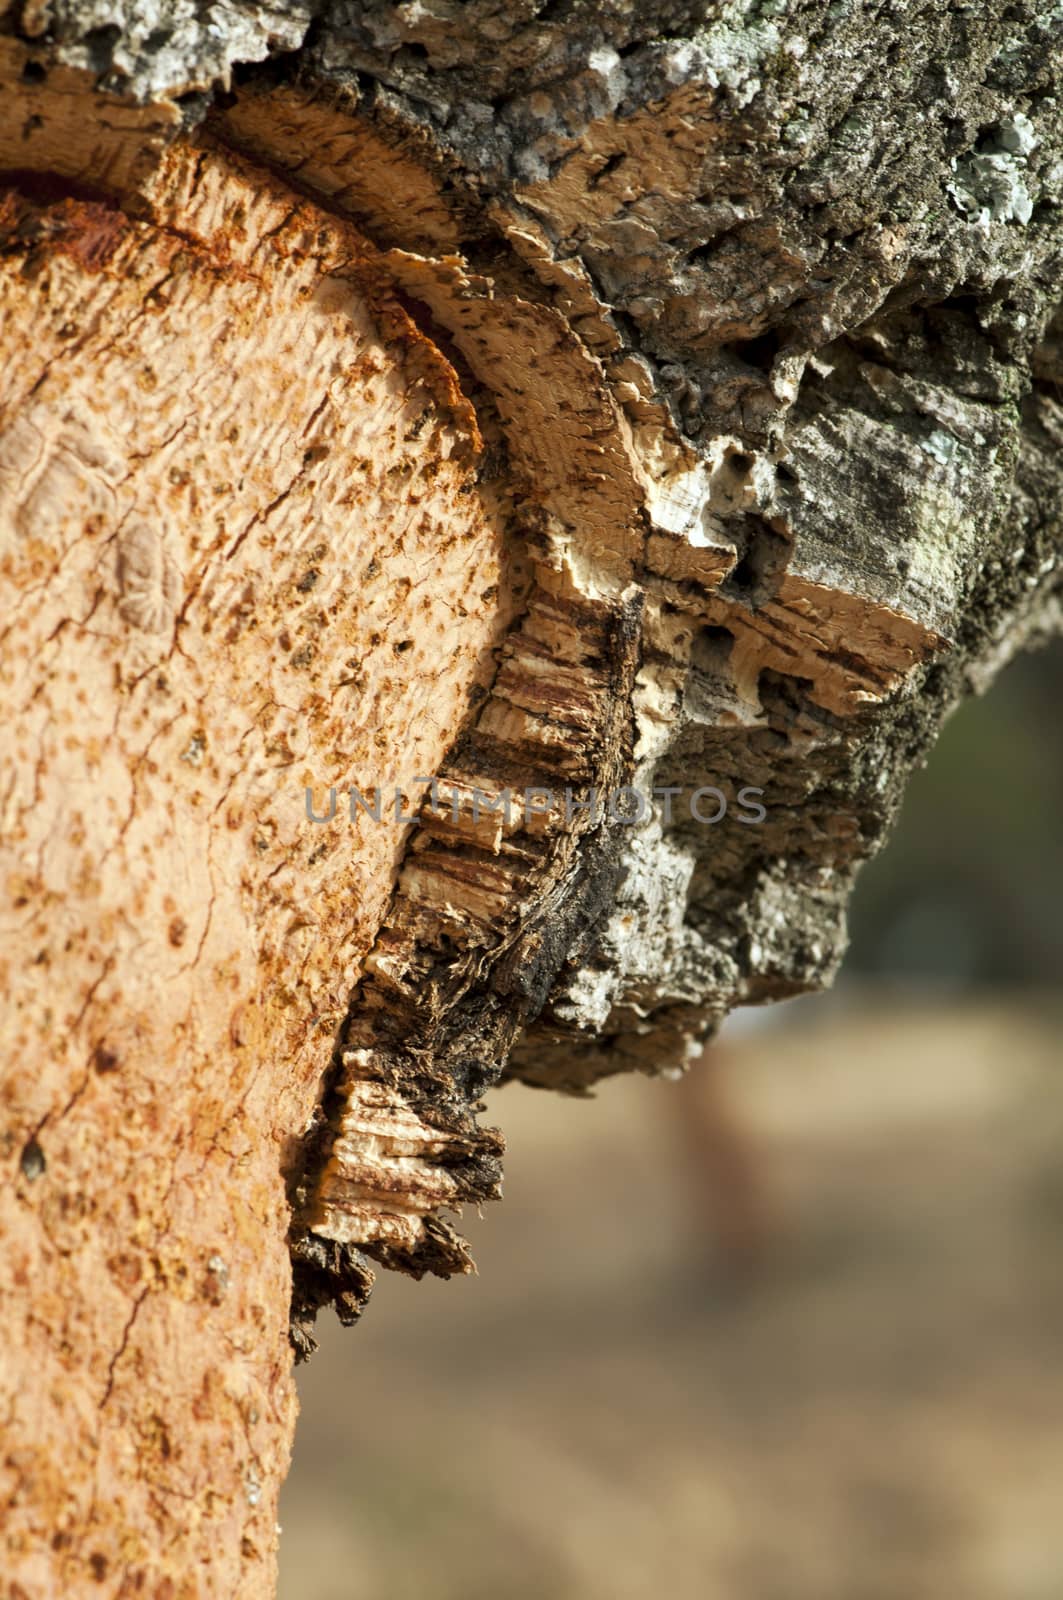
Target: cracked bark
x=549, y=398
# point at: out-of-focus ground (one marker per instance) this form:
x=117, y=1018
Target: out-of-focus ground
x=789, y=1330
x=606, y=1414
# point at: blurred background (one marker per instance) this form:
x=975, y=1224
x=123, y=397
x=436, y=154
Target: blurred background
x=791, y=1329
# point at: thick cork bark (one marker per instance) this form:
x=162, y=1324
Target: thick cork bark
x=486, y=409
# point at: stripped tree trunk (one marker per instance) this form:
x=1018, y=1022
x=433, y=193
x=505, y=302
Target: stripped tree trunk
x=560, y=402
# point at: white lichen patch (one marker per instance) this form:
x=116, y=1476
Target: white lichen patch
x=991, y=185
x=940, y=445
x=729, y=54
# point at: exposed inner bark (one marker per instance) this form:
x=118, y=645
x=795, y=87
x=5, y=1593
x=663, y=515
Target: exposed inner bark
x=250, y=550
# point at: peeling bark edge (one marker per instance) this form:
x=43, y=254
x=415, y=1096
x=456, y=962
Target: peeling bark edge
x=397, y=1141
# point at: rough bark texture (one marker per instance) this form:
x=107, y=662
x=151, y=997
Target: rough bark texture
x=544, y=397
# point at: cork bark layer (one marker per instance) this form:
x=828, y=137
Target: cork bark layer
x=494, y=501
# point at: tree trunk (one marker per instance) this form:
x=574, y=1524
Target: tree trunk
x=615, y=436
